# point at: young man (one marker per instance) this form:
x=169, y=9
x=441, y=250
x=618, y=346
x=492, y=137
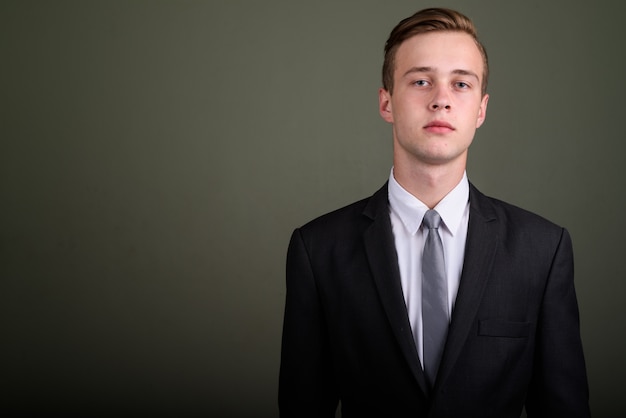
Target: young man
x=429, y=299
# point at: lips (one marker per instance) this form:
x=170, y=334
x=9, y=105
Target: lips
x=439, y=126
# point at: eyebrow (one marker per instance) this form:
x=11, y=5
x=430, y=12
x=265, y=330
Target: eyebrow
x=413, y=70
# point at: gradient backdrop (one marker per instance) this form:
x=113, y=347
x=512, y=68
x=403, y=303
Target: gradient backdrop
x=156, y=155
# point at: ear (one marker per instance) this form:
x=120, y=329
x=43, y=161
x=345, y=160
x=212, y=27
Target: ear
x=482, y=111
x=384, y=105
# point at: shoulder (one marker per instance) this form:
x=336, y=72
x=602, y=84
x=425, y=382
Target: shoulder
x=513, y=220
x=338, y=221
x=351, y=218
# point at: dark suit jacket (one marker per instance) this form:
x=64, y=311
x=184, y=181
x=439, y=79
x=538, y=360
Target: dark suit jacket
x=514, y=334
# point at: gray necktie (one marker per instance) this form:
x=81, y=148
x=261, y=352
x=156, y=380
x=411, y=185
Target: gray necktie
x=434, y=297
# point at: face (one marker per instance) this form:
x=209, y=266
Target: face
x=436, y=104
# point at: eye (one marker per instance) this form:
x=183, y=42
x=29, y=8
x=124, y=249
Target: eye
x=461, y=85
x=421, y=83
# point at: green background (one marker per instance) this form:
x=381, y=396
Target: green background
x=156, y=155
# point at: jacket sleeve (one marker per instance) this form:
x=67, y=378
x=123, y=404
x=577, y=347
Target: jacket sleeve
x=559, y=384
x=307, y=387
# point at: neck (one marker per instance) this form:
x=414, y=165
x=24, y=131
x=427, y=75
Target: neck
x=430, y=184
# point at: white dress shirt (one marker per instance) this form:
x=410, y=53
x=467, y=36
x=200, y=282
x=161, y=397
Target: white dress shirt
x=406, y=212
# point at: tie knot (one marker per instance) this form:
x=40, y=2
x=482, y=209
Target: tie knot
x=431, y=219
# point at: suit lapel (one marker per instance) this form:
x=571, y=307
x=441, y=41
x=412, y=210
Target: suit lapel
x=480, y=248
x=380, y=249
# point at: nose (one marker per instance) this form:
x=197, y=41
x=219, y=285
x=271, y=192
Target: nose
x=437, y=106
x=440, y=100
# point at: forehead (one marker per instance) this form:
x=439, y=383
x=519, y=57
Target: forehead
x=443, y=51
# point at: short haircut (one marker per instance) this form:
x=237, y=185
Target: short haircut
x=429, y=20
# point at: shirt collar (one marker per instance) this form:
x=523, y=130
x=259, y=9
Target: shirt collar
x=411, y=210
